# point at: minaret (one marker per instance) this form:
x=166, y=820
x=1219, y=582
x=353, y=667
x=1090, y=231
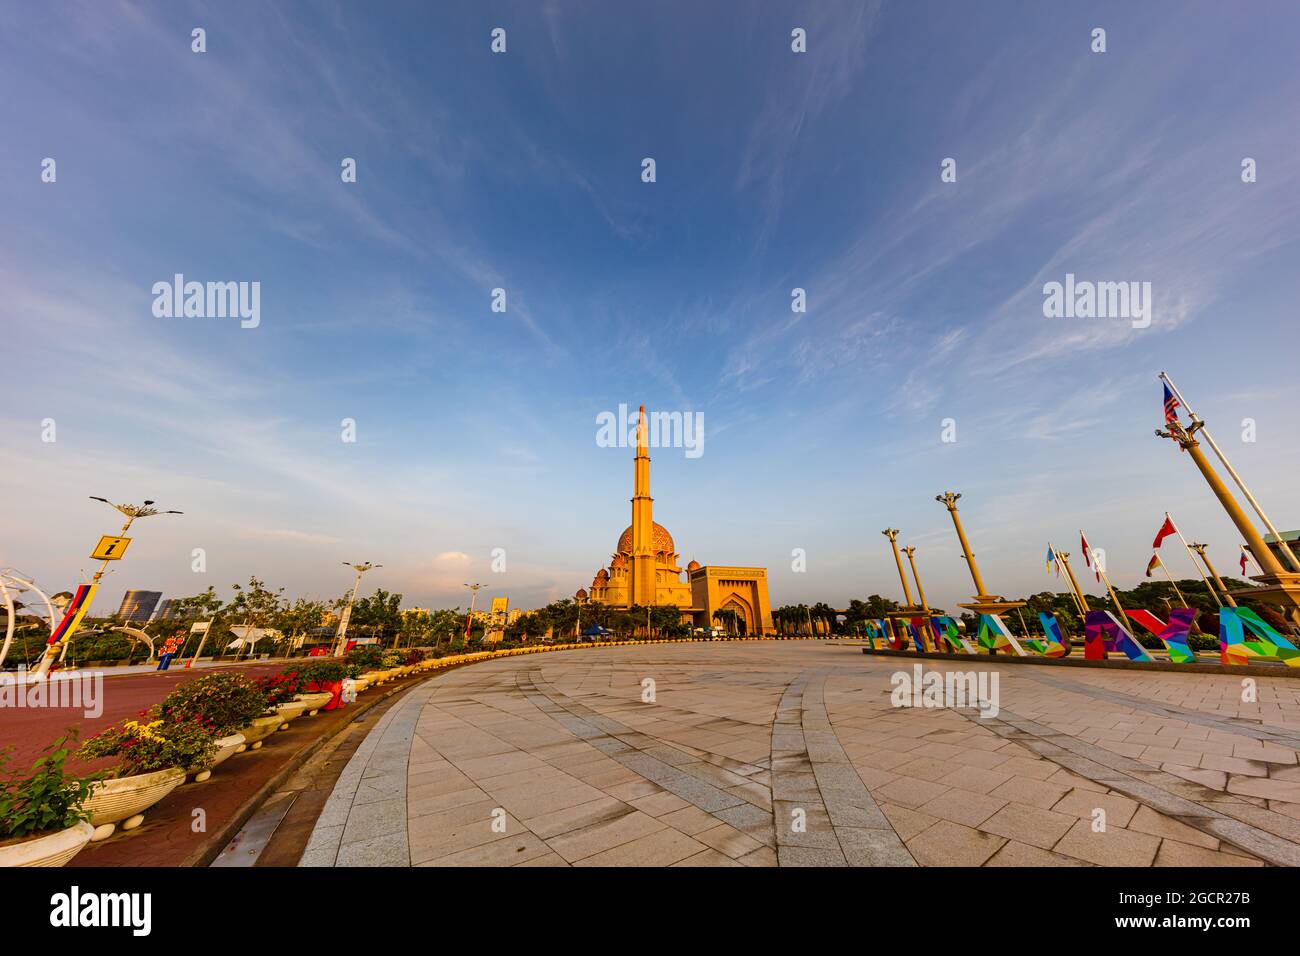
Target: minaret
x=643, y=556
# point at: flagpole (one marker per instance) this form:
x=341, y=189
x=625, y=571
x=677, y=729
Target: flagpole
x=1282, y=545
x=1056, y=556
x=1208, y=585
x=1061, y=558
x=1200, y=549
x=1080, y=600
x=1102, y=574
x=1163, y=567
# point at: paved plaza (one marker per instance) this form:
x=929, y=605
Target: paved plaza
x=790, y=753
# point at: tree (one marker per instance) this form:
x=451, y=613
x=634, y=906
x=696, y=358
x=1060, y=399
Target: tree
x=442, y=625
x=664, y=619
x=728, y=618
x=823, y=612
x=380, y=613
x=303, y=616
x=872, y=608
x=257, y=606
x=417, y=625
x=206, y=605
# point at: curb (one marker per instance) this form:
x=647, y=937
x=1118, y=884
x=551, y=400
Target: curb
x=211, y=849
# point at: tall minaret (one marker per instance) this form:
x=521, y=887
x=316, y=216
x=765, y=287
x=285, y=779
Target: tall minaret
x=643, y=556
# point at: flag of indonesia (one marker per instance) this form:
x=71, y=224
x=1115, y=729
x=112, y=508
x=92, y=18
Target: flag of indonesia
x=1087, y=554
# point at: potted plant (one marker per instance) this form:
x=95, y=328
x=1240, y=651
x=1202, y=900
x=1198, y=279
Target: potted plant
x=312, y=700
x=151, y=762
x=323, y=677
x=42, y=815
x=228, y=703
x=279, y=691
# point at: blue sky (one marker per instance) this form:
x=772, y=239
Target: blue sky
x=476, y=430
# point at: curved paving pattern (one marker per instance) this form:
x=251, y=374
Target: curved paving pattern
x=775, y=753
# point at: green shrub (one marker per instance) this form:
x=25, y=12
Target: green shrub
x=322, y=671
x=47, y=799
x=158, y=745
x=222, y=702
x=366, y=655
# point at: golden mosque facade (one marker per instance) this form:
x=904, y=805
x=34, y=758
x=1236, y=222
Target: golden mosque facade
x=645, y=568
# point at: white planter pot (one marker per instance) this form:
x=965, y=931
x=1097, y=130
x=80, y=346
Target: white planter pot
x=227, y=747
x=52, y=849
x=360, y=683
x=314, y=701
x=290, y=711
x=124, y=799
x=261, y=728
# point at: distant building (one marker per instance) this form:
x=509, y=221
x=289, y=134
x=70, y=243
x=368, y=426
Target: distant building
x=645, y=571
x=172, y=610
x=138, y=605
x=1292, y=538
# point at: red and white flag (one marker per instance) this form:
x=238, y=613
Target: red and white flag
x=1087, y=555
x=1165, y=531
x=1243, y=560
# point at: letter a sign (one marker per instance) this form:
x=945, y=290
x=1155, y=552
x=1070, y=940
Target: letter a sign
x=110, y=548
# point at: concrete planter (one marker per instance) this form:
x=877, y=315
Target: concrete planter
x=50, y=849
x=314, y=701
x=290, y=711
x=261, y=728
x=227, y=747
x=124, y=799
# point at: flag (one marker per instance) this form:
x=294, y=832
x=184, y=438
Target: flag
x=1153, y=564
x=1051, y=557
x=1243, y=560
x=1171, y=406
x=1087, y=555
x=1165, y=531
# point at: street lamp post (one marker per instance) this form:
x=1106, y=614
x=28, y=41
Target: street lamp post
x=984, y=603
x=910, y=551
x=58, y=642
x=892, y=535
x=340, y=639
x=469, y=618
x=1199, y=425
x=1281, y=587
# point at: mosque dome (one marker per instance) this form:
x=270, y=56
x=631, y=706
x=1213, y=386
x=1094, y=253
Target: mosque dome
x=663, y=541
x=581, y=595
x=693, y=566
x=601, y=577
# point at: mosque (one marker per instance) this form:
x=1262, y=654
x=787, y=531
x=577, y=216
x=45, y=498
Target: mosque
x=644, y=569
